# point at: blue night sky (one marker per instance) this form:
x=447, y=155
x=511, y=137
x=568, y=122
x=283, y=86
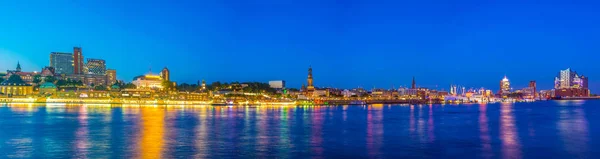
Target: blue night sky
x=351, y=43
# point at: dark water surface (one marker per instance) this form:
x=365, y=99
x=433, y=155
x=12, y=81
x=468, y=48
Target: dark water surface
x=552, y=129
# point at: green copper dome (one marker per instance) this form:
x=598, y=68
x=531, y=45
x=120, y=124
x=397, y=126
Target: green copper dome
x=115, y=86
x=48, y=85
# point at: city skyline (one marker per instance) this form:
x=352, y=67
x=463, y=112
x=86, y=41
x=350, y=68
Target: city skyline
x=505, y=85
x=352, y=44
x=299, y=79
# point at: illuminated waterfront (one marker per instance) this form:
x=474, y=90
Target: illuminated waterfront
x=564, y=129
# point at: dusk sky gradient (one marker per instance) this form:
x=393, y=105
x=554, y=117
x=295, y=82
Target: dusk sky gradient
x=351, y=43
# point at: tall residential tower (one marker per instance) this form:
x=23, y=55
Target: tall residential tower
x=504, y=86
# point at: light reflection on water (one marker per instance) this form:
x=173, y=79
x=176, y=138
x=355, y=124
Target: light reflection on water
x=484, y=134
x=374, y=129
x=316, y=139
x=573, y=129
x=152, y=134
x=81, y=135
x=570, y=102
x=202, y=132
x=562, y=129
x=430, y=125
x=511, y=147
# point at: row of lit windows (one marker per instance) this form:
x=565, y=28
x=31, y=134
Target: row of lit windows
x=16, y=90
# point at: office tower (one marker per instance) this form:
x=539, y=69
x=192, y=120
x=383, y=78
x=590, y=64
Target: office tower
x=533, y=86
x=62, y=62
x=77, y=61
x=504, y=86
x=95, y=67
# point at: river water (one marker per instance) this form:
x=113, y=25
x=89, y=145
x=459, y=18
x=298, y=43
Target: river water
x=548, y=129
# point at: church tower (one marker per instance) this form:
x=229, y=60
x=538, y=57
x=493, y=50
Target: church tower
x=414, y=84
x=310, y=87
x=18, y=67
x=165, y=74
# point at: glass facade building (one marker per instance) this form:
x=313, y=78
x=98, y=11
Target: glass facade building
x=95, y=66
x=62, y=62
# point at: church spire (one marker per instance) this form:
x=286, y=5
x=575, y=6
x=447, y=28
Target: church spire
x=309, y=80
x=18, y=66
x=414, y=84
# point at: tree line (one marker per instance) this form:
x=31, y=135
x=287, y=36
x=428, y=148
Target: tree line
x=246, y=87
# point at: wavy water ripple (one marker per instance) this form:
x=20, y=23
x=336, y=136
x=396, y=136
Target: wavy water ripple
x=514, y=130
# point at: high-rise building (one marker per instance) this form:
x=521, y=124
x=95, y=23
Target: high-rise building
x=111, y=76
x=584, y=82
x=62, y=62
x=504, y=86
x=570, y=84
x=564, y=79
x=279, y=84
x=165, y=74
x=453, y=90
x=77, y=61
x=533, y=86
x=569, y=79
x=95, y=66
